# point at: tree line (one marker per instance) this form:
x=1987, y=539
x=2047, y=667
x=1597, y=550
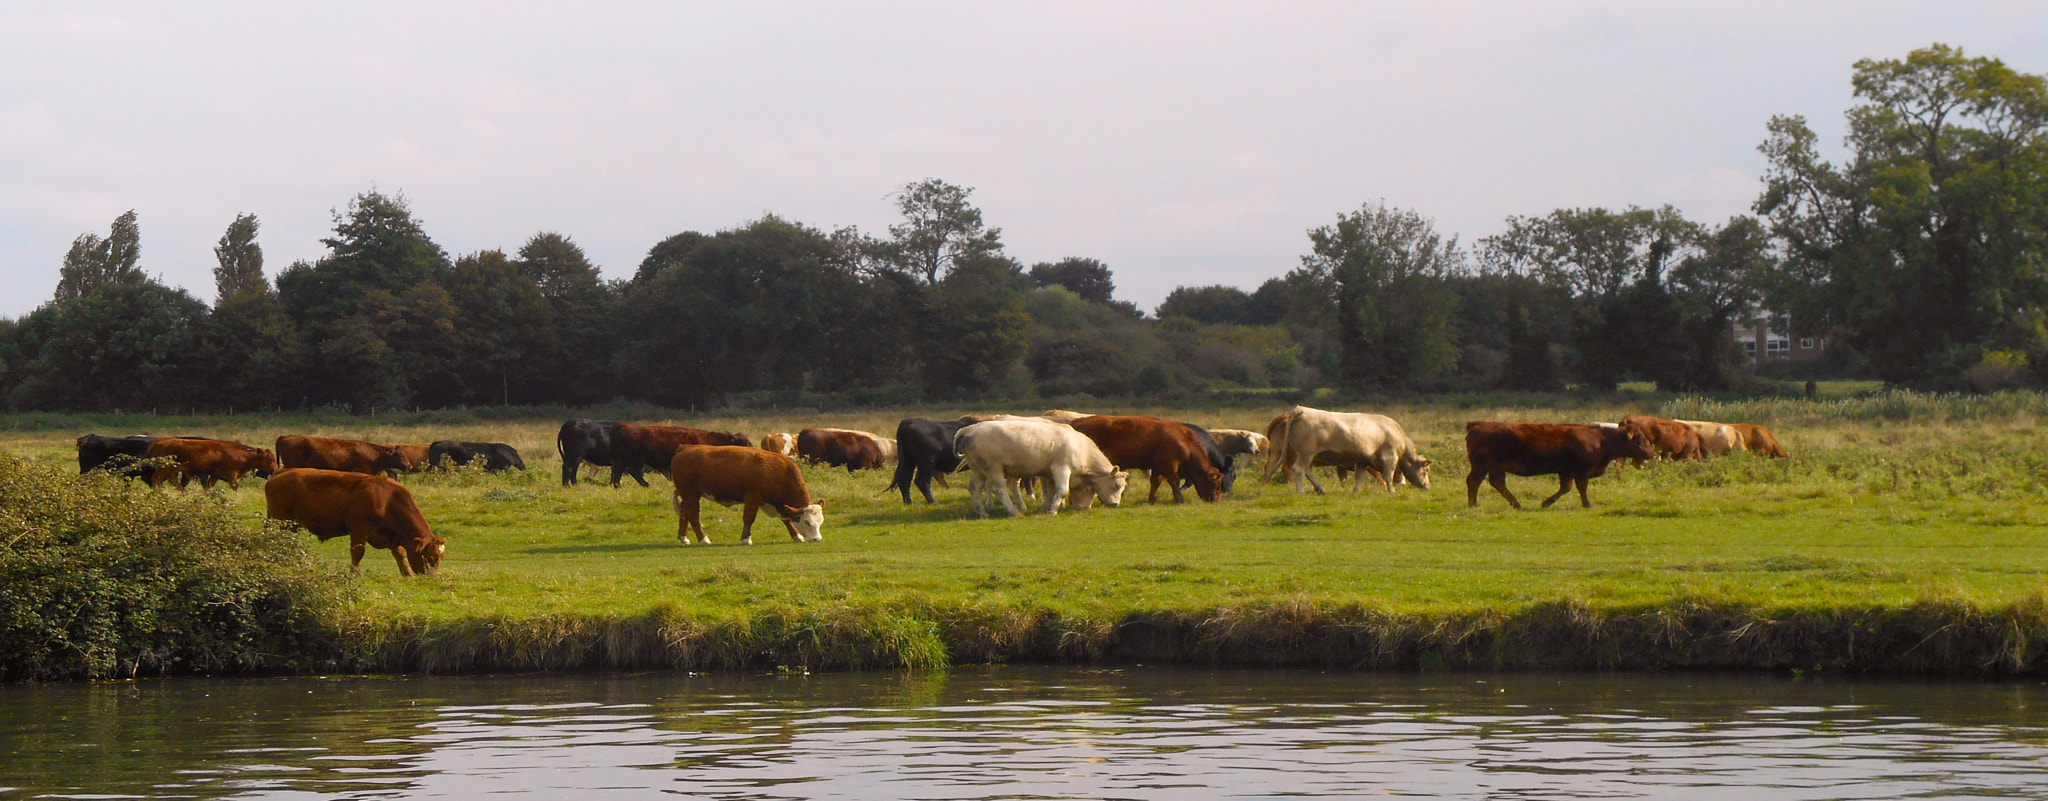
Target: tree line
x=1919, y=259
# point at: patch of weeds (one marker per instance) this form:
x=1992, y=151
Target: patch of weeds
x=510, y=495
x=1300, y=520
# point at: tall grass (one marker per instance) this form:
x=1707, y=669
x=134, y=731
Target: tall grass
x=1894, y=406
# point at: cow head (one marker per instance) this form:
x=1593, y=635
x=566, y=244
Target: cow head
x=735, y=438
x=391, y=459
x=1627, y=442
x=1416, y=469
x=425, y=555
x=806, y=524
x=1110, y=486
x=265, y=463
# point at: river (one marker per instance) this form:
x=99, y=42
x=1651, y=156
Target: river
x=1027, y=732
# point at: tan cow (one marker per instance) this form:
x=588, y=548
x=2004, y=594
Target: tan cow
x=1372, y=441
x=1716, y=439
x=1760, y=440
x=1001, y=450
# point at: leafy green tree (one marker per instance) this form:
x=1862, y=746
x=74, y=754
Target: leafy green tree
x=122, y=345
x=252, y=346
x=1925, y=247
x=1089, y=279
x=1528, y=367
x=94, y=262
x=240, y=260
x=506, y=330
x=974, y=327
x=1212, y=305
x=378, y=256
x=1387, y=269
x=940, y=229
x=377, y=246
x=582, y=305
x=424, y=347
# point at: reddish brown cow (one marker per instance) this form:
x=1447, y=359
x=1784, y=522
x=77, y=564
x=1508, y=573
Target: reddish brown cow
x=636, y=449
x=1760, y=440
x=415, y=455
x=1575, y=453
x=1668, y=438
x=372, y=511
x=348, y=455
x=839, y=447
x=743, y=474
x=1159, y=447
x=209, y=460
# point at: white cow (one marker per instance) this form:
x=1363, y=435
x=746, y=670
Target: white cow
x=1304, y=436
x=1239, y=442
x=1001, y=450
x=1717, y=439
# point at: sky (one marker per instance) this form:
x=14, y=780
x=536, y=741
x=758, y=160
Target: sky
x=1181, y=143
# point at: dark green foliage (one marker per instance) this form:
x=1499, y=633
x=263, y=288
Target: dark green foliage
x=119, y=346
x=940, y=230
x=582, y=305
x=377, y=246
x=93, y=262
x=1213, y=305
x=1528, y=366
x=973, y=327
x=106, y=578
x=510, y=350
x=1387, y=271
x=240, y=260
x=1088, y=278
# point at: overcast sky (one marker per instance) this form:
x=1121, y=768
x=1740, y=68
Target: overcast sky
x=1181, y=143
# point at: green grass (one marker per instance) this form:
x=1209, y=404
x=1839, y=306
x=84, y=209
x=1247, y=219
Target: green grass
x=1871, y=517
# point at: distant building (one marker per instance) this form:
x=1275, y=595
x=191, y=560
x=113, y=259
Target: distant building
x=1767, y=338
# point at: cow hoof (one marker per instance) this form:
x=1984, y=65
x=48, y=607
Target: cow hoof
x=746, y=540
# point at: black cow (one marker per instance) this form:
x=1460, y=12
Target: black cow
x=1226, y=464
x=583, y=441
x=924, y=448
x=118, y=454
x=498, y=456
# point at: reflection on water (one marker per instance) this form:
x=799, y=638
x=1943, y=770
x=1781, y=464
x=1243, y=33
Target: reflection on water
x=1026, y=733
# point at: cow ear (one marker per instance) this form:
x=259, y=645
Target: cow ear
x=819, y=502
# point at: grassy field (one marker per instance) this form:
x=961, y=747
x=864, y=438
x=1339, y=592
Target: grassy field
x=1921, y=532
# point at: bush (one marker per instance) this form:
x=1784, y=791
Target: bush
x=104, y=577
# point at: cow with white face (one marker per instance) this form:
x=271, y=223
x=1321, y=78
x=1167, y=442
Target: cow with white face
x=1000, y=451
x=1303, y=436
x=781, y=442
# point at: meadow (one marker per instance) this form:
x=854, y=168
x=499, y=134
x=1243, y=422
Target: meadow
x=1905, y=534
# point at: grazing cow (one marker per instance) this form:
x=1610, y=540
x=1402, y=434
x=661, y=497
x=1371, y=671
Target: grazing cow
x=498, y=456
x=210, y=460
x=1759, y=440
x=1369, y=443
x=350, y=455
x=582, y=441
x=1670, y=439
x=1224, y=462
x=1239, y=442
x=924, y=451
x=416, y=454
x=1716, y=439
x=372, y=511
x=747, y=475
x=781, y=442
x=636, y=449
x=1064, y=416
x=840, y=447
x=118, y=454
x=1000, y=451
x=1157, y=446
x=1575, y=453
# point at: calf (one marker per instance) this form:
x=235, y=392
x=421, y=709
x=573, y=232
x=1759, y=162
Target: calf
x=840, y=447
x=1158, y=446
x=497, y=456
x=924, y=451
x=210, y=460
x=348, y=455
x=747, y=475
x=1575, y=453
x=372, y=511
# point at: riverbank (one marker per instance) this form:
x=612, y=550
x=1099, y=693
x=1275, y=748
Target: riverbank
x=1909, y=545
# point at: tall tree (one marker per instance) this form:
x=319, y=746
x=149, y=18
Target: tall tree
x=94, y=262
x=359, y=300
x=583, y=305
x=377, y=246
x=1926, y=246
x=939, y=229
x=251, y=345
x=1214, y=305
x=1386, y=269
x=240, y=260
x=128, y=345
x=1088, y=278
x=507, y=331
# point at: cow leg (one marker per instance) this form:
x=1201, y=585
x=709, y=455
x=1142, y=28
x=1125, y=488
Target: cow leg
x=1000, y=480
x=1302, y=468
x=640, y=475
x=977, y=491
x=1390, y=463
x=1564, y=485
x=747, y=513
x=924, y=484
x=571, y=464
x=1581, y=481
x=1472, y=481
x=356, y=547
x=398, y=553
x=694, y=509
x=1056, y=486
x=1499, y=480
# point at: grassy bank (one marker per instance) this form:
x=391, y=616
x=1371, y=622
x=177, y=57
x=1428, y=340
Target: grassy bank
x=1890, y=542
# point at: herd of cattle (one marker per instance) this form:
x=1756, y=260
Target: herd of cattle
x=342, y=487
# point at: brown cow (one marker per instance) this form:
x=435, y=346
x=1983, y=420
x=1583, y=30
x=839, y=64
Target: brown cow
x=1157, y=446
x=1760, y=440
x=781, y=442
x=841, y=447
x=348, y=455
x=415, y=455
x=209, y=460
x=747, y=475
x=1670, y=439
x=1575, y=453
x=636, y=449
x=372, y=511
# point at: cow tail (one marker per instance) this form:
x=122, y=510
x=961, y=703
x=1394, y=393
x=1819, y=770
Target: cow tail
x=1281, y=453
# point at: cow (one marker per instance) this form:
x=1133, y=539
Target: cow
x=1064, y=416
x=1760, y=441
x=924, y=451
x=1157, y=446
x=1000, y=451
x=1575, y=453
x=210, y=460
x=1670, y=439
x=350, y=455
x=372, y=511
x=780, y=442
x=1369, y=443
x=497, y=456
x=636, y=448
x=1239, y=442
x=747, y=475
x=840, y=447
x=416, y=455
x=1224, y=462
x=580, y=441
x=118, y=454
x=1716, y=439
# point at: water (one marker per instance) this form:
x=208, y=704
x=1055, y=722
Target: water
x=1014, y=733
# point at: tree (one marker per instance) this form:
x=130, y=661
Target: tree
x=1088, y=278
x=1386, y=269
x=240, y=260
x=583, y=306
x=505, y=330
x=126, y=345
x=1926, y=247
x=939, y=229
x=93, y=262
x=974, y=326
x=1212, y=305
x=377, y=246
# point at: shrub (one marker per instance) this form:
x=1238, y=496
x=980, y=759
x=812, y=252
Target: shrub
x=104, y=577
